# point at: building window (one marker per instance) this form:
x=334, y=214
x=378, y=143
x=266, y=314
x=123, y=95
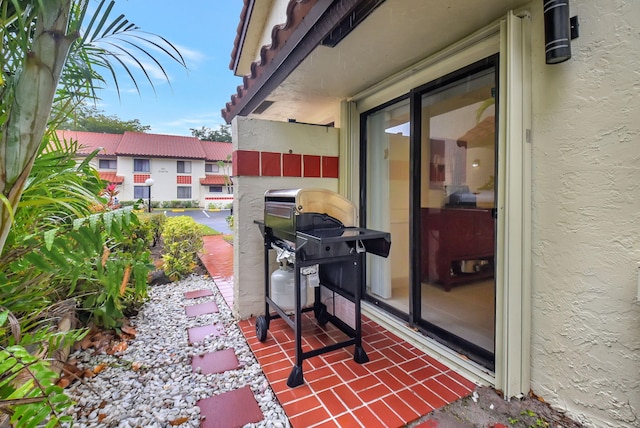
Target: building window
x=215, y=189
x=184, y=167
x=211, y=167
x=184, y=192
x=140, y=192
x=141, y=165
x=107, y=164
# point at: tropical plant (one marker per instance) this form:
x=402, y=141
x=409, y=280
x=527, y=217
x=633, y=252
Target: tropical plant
x=224, y=166
x=51, y=244
x=89, y=118
x=95, y=262
x=58, y=243
x=182, y=238
x=221, y=135
x=28, y=383
x=44, y=45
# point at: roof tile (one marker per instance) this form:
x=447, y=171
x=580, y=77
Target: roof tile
x=111, y=177
x=215, y=151
x=296, y=12
x=89, y=141
x=213, y=180
x=157, y=145
x=150, y=145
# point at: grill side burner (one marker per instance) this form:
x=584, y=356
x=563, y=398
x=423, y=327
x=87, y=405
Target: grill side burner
x=318, y=226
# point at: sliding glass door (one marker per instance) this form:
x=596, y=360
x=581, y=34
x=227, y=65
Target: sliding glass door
x=439, y=207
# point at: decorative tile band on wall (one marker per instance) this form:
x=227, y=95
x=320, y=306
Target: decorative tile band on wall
x=183, y=179
x=219, y=198
x=140, y=178
x=273, y=164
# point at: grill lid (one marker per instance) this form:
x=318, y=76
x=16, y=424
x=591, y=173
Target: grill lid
x=313, y=200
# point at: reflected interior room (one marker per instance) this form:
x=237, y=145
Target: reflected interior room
x=457, y=202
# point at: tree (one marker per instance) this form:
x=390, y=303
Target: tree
x=90, y=119
x=47, y=58
x=221, y=135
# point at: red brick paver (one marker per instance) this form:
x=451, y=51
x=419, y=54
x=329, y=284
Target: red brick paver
x=217, y=257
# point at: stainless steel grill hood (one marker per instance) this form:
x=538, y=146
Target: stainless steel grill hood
x=292, y=210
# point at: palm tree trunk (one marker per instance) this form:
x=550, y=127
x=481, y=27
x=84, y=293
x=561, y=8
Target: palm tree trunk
x=31, y=107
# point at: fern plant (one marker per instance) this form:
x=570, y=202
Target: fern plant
x=29, y=395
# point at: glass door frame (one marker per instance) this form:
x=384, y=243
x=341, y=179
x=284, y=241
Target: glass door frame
x=415, y=188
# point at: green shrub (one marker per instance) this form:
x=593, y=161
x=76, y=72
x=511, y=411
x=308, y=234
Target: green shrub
x=98, y=260
x=182, y=238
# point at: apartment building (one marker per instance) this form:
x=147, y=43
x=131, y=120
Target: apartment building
x=160, y=168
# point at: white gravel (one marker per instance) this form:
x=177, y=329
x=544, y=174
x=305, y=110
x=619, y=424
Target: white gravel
x=164, y=390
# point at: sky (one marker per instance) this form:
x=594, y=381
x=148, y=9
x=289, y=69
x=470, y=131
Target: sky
x=204, y=32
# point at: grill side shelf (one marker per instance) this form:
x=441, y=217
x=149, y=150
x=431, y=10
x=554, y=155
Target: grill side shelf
x=323, y=244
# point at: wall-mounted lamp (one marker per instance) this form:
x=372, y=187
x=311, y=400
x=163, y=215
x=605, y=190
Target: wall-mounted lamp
x=475, y=163
x=559, y=30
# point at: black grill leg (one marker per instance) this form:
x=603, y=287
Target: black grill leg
x=296, y=377
x=359, y=356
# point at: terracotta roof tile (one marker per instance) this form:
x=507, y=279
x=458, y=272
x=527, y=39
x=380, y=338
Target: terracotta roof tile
x=89, y=141
x=212, y=180
x=156, y=145
x=296, y=12
x=152, y=145
x=111, y=177
x=239, y=33
x=215, y=151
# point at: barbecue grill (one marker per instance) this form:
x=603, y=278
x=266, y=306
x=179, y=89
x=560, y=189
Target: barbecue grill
x=319, y=228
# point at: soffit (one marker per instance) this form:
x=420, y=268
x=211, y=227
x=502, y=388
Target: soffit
x=396, y=35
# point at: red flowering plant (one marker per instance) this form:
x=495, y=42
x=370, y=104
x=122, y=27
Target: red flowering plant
x=111, y=194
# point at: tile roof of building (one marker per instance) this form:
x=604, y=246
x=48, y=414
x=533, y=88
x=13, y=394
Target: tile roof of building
x=148, y=145
x=89, y=141
x=213, y=180
x=296, y=12
x=158, y=145
x=215, y=151
x=111, y=177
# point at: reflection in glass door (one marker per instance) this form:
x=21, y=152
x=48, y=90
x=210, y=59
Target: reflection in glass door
x=388, y=202
x=447, y=198
x=457, y=202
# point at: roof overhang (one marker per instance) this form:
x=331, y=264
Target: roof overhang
x=302, y=79
x=308, y=23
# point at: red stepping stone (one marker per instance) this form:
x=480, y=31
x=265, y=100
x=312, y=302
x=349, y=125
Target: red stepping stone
x=197, y=334
x=200, y=309
x=197, y=293
x=230, y=409
x=216, y=362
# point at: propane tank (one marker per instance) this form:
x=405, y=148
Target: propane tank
x=283, y=285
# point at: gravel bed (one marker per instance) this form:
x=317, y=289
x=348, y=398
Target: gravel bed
x=152, y=384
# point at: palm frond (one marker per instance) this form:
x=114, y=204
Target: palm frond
x=110, y=44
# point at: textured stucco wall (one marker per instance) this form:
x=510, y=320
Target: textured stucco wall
x=586, y=216
x=164, y=172
x=248, y=205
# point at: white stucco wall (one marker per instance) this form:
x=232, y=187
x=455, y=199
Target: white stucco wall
x=164, y=172
x=586, y=216
x=248, y=205
x=585, y=323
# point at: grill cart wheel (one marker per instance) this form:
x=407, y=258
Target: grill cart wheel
x=261, y=328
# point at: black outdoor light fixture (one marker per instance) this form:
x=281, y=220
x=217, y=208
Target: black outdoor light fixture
x=559, y=29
